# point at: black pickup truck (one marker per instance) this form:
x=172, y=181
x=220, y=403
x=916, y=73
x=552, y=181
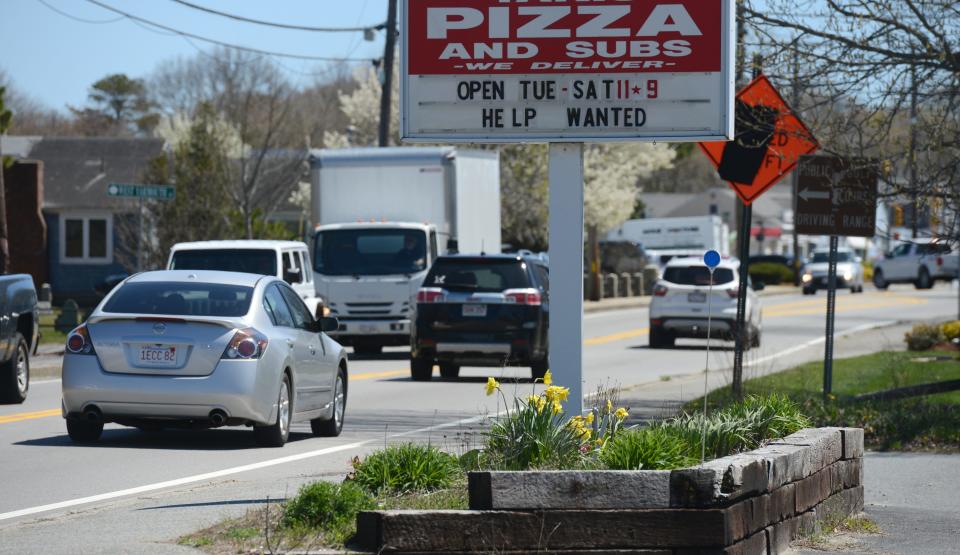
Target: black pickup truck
x=19, y=333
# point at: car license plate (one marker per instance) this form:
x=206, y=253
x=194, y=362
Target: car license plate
x=158, y=356
x=475, y=310
x=697, y=297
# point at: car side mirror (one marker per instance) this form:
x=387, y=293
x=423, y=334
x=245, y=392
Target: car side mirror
x=291, y=276
x=758, y=286
x=329, y=323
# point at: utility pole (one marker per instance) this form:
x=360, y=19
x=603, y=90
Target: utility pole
x=741, y=81
x=794, y=102
x=385, y=101
x=915, y=217
x=6, y=116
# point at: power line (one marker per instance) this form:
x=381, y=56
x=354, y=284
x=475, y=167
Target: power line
x=377, y=27
x=80, y=19
x=225, y=44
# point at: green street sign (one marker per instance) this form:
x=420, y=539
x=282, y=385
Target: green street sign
x=136, y=190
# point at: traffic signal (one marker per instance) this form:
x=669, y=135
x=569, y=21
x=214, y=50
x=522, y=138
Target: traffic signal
x=898, y=216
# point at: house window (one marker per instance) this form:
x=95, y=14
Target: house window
x=86, y=239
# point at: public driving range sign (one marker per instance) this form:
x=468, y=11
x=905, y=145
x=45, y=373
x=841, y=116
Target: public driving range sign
x=506, y=71
x=836, y=196
x=769, y=141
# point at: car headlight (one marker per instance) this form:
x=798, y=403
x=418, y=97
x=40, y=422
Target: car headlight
x=848, y=275
x=807, y=278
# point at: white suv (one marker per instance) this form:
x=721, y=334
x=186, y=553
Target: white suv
x=287, y=260
x=679, y=305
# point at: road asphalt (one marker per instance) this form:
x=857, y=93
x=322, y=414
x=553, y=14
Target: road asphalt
x=136, y=492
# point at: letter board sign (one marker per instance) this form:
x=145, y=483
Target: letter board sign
x=506, y=71
x=836, y=196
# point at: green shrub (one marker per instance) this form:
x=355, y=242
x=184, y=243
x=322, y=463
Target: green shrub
x=406, y=468
x=923, y=337
x=770, y=273
x=328, y=507
x=655, y=448
x=951, y=331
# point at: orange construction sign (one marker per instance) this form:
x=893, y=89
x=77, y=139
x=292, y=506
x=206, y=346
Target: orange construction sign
x=768, y=141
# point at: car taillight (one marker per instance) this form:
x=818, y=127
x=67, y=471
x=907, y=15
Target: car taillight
x=528, y=297
x=78, y=342
x=246, y=344
x=732, y=293
x=939, y=261
x=660, y=290
x=430, y=295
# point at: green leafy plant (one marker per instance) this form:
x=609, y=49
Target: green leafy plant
x=406, y=468
x=655, y=448
x=923, y=337
x=770, y=273
x=328, y=507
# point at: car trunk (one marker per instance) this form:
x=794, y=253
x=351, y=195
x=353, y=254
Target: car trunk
x=159, y=346
x=476, y=316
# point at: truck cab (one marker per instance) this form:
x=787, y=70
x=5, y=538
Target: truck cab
x=368, y=274
x=287, y=260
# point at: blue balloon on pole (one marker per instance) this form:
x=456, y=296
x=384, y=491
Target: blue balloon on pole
x=711, y=259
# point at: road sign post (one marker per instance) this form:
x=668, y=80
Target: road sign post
x=712, y=260
x=836, y=196
x=566, y=269
x=140, y=192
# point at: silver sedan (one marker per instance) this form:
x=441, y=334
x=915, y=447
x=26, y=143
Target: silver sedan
x=204, y=349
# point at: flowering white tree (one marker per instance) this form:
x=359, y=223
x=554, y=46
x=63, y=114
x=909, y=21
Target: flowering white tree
x=362, y=109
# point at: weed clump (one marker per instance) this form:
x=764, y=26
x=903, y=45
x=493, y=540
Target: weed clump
x=406, y=468
x=329, y=508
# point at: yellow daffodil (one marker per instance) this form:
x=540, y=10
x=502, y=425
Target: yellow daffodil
x=600, y=442
x=621, y=413
x=556, y=407
x=548, y=378
x=492, y=386
x=541, y=404
x=589, y=417
x=557, y=393
x=609, y=406
x=585, y=435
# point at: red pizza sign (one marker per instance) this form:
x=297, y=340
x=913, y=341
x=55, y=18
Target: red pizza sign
x=516, y=70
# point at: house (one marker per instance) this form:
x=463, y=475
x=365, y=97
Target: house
x=85, y=236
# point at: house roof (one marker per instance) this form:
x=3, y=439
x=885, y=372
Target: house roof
x=77, y=170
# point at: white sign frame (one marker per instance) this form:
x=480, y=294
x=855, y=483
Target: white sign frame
x=710, y=131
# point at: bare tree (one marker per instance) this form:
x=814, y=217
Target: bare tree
x=876, y=78
x=250, y=93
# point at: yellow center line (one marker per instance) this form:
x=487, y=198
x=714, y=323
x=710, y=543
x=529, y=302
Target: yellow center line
x=375, y=375
x=29, y=416
x=622, y=336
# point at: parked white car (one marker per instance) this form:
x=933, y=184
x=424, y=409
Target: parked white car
x=816, y=272
x=921, y=262
x=679, y=306
x=286, y=260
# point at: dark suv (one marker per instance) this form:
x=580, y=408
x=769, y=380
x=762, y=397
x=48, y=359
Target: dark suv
x=488, y=310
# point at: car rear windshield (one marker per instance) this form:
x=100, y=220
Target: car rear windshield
x=485, y=276
x=370, y=252
x=251, y=261
x=824, y=257
x=697, y=275
x=180, y=299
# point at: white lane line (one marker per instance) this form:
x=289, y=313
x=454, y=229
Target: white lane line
x=817, y=341
x=218, y=474
x=41, y=382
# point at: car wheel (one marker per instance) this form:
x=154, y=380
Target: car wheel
x=276, y=434
x=923, y=280
x=367, y=349
x=15, y=373
x=659, y=339
x=84, y=431
x=333, y=426
x=878, y=280
x=538, y=368
x=449, y=371
x=755, y=339
x=421, y=369
x=809, y=291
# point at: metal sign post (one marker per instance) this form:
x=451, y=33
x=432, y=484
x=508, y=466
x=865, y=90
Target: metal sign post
x=566, y=269
x=712, y=260
x=740, y=335
x=831, y=312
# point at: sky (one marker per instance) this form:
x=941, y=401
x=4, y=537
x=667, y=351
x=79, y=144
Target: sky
x=54, y=58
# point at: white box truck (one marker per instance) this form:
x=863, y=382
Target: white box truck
x=664, y=238
x=382, y=216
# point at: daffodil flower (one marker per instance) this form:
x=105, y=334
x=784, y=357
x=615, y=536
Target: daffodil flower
x=621, y=413
x=492, y=386
x=556, y=407
x=609, y=406
x=548, y=378
x=589, y=418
